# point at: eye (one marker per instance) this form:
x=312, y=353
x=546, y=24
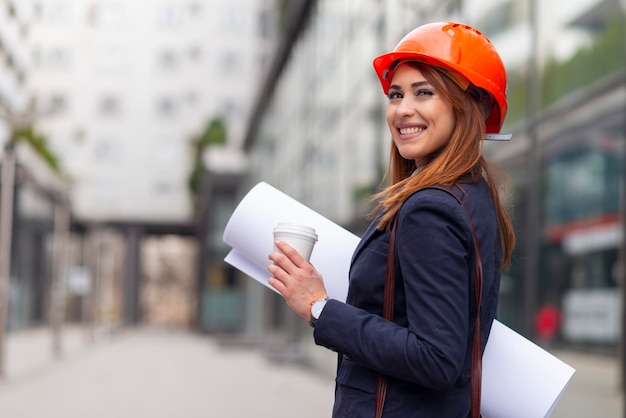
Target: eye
x=394, y=95
x=424, y=92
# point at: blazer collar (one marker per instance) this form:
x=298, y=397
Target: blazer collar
x=369, y=234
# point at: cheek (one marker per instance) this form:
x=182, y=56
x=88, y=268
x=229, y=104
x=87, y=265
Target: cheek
x=391, y=113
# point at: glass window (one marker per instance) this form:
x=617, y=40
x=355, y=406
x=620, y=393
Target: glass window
x=107, y=151
x=107, y=14
x=168, y=60
x=230, y=19
x=37, y=10
x=58, y=12
x=577, y=186
x=230, y=62
x=163, y=189
x=79, y=135
x=109, y=106
x=165, y=151
x=167, y=107
x=268, y=24
x=171, y=15
x=195, y=8
x=36, y=57
x=58, y=102
x=58, y=58
x=191, y=97
x=110, y=59
x=195, y=53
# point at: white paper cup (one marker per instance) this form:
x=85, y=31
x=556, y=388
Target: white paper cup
x=301, y=237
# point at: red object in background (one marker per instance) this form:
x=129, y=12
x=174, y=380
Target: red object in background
x=548, y=321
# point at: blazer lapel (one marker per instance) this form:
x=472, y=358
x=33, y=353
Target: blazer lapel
x=367, y=237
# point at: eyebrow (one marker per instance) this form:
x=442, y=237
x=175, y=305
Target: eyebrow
x=414, y=85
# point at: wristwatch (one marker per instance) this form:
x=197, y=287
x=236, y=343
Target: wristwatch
x=316, y=310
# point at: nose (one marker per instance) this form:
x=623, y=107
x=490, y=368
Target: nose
x=405, y=108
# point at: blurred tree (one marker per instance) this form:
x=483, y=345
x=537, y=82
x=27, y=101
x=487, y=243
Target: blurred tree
x=38, y=142
x=588, y=65
x=22, y=129
x=214, y=134
x=559, y=78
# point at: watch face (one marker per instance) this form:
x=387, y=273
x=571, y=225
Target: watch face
x=317, y=307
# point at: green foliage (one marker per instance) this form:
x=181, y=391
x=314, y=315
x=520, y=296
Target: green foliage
x=517, y=99
x=39, y=143
x=193, y=182
x=606, y=56
x=283, y=7
x=215, y=133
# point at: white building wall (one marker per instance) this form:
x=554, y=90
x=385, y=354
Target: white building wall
x=137, y=81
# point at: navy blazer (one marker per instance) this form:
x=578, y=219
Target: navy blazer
x=426, y=350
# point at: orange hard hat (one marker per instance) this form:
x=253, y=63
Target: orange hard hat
x=456, y=48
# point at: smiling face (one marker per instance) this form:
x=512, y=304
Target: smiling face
x=420, y=118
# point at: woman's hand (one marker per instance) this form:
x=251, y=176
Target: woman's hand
x=296, y=279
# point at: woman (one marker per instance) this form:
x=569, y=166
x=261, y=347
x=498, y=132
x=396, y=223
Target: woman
x=445, y=85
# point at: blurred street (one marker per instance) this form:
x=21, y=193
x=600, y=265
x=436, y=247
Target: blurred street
x=152, y=373
x=148, y=372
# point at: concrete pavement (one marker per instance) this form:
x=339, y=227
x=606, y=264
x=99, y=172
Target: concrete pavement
x=594, y=391
x=159, y=373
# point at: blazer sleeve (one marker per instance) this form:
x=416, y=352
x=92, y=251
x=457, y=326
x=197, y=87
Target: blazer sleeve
x=426, y=344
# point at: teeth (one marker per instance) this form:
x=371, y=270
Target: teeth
x=406, y=131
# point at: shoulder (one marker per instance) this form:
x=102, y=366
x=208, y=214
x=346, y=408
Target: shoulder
x=433, y=198
x=468, y=194
x=435, y=205
x=433, y=209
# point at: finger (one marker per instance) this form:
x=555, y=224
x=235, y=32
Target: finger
x=280, y=259
x=283, y=262
x=291, y=253
x=278, y=285
x=277, y=269
x=281, y=276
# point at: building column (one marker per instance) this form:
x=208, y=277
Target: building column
x=58, y=288
x=6, y=234
x=132, y=276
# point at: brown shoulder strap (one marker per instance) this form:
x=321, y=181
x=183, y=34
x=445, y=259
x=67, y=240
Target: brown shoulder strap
x=390, y=285
x=476, y=373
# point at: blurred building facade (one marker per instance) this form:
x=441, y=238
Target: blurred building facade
x=569, y=130
x=34, y=200
x=320, y=137
x=136, y=83
x=14, y=63
x=133, y=85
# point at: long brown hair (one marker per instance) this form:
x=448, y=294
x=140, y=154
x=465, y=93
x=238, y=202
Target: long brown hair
x=459, y=161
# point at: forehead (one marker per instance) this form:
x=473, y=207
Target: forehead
x=407, y=73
